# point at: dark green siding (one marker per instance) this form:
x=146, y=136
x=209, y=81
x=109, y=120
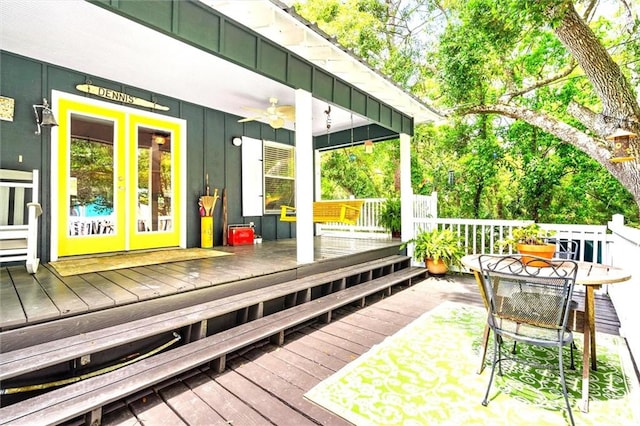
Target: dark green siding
x=273, y=61
x=198, y=26
x=300, y=74
x=323, y=85
x=342, y=94
x=358, y=102
x=239, y=45
x=158, y=13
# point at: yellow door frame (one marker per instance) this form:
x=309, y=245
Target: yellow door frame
x=126, y=122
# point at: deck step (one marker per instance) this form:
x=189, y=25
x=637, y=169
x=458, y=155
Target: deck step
x=17, y=362
x=90, y=395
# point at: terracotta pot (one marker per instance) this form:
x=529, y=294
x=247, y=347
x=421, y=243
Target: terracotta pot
x=436, y=268
x=546, y=251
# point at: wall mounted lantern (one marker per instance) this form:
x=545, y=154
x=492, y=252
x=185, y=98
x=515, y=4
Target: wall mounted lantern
x=621, y=146
x=236, y=141
x=48, y=120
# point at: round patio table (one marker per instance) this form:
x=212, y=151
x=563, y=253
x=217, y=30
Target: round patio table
x=592, y=276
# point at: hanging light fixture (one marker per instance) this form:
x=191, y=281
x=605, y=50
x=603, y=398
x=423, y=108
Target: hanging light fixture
x=48, y=120
x=621, y=146
x=368, y=146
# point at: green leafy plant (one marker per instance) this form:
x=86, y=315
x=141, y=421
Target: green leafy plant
x=531, y=234
x=439, y=245
x=389, y=216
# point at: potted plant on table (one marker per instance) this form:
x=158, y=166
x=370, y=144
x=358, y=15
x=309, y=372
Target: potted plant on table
x=439, y=249
x=389, y=217
x=531, y=240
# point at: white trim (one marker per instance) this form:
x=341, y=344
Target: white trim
x=252, y=175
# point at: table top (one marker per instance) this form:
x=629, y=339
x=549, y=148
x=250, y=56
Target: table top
x=588, y=273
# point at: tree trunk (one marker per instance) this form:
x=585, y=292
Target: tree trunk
x=611, y=86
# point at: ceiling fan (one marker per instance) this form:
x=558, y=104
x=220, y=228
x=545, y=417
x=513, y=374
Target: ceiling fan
x=275, y=115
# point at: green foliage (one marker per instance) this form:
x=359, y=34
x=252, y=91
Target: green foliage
x=92, y=167
x=470, y=52
x=439, y=245
x=350, y=172
x=390, y=215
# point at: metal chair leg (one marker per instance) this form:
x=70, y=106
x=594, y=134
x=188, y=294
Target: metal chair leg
x=496, y=359
x=564, y=385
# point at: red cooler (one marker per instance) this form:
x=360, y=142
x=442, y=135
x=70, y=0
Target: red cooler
x=238, y=235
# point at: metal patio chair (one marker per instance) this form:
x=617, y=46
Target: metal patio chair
x=565, y=249
x=530, y=305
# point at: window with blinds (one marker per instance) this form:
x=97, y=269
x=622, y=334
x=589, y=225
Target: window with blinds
x=279, y=176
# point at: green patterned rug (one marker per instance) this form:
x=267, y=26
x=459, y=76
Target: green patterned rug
x=426, y=375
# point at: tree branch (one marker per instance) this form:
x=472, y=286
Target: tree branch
x=509, y=96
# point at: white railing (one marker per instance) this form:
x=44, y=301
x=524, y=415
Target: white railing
x=625, y=253
x=481, y=236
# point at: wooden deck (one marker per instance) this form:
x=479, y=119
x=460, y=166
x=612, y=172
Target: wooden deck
x=266, y=385
x=262, y=385
x=27, y=299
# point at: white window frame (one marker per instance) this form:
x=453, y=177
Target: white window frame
x=266, y=175
x=254, y=176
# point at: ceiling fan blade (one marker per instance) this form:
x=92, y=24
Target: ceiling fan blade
x=258, y=110
x=244, y=120
x=288, y=111
x=276, y=123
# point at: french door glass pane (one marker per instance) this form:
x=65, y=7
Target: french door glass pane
x=91, y=177
x=155, y=209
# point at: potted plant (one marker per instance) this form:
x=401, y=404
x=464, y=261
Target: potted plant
x=532, y=240
x=389, y=216
x=439, y=249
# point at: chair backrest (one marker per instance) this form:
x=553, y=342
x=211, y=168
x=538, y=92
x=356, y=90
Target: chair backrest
x=17, y=189
x=566, y=249
x=523, y=298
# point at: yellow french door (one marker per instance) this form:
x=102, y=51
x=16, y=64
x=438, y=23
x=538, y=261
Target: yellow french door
x=118, y=173
x=154, y=158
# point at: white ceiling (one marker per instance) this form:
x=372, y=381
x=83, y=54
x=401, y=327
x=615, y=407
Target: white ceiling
x=78, y=35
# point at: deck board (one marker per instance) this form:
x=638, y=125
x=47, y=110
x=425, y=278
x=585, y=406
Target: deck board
x=65, y=299
x=92, y=297
x=158, y=287
x=118, y=294
x=350, y=332
x=141, y=290
x=171, y=273
x=273, y=409
x=11, y=312
x=35, y=301
x=227, y=404
x=192, y=409
x=177, y=284
x=152, y=410
x=272, y=382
